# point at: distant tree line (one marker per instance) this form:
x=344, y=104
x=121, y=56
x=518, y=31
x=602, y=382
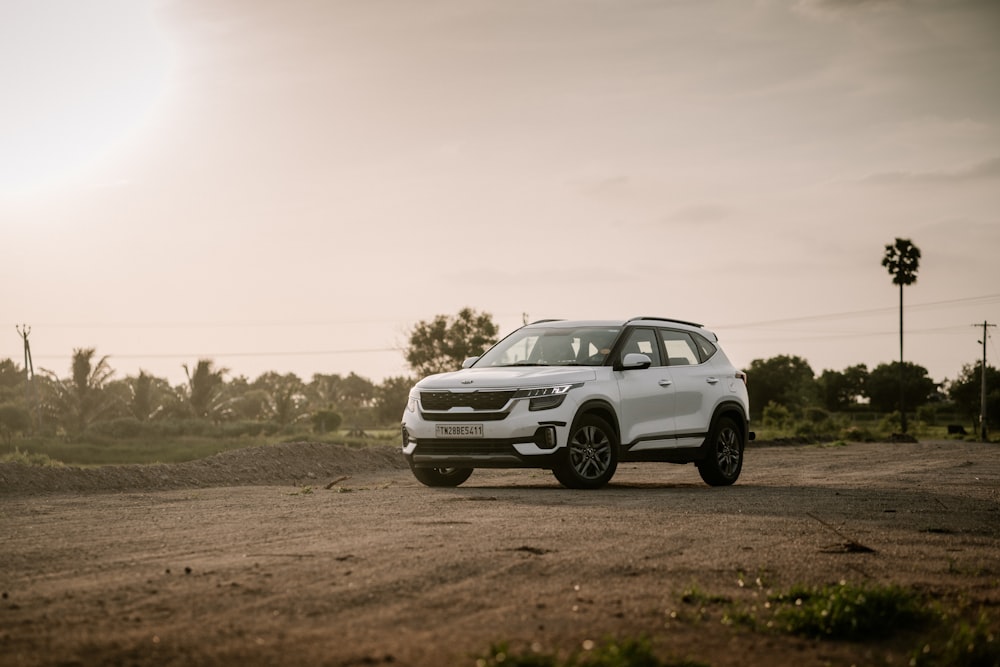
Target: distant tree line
x=90, y=401
x=211, y=403
x=789, y=383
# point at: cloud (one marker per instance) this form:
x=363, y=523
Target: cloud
x=985, y=170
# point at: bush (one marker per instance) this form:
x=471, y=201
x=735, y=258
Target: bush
x=324, y=421
x=776, y=416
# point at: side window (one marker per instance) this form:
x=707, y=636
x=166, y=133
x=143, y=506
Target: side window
x=679, y=348
x=705, y=346
x=643, y=341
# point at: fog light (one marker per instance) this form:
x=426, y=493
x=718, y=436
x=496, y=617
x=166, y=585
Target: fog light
x=545, y=437
x=406, y=436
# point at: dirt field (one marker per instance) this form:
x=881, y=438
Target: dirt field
x=262, y=556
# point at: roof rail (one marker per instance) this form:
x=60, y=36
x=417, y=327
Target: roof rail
x=551, y=319
x=667, y=319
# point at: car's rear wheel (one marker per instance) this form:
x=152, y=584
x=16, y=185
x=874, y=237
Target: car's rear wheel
x=441, y=476
x=591, y=455
x=724, y=460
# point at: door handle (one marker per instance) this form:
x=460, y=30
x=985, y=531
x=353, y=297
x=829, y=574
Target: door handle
x=712, y=380
x=666, y=383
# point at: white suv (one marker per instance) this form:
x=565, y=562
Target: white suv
x=577, y=397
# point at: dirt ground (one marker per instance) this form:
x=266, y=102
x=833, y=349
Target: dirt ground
x=326, y=555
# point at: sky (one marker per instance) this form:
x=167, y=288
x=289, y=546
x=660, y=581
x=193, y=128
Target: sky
x=292, y=186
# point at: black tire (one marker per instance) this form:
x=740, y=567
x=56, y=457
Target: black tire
x=591, y=456
x=724, y=458
x=441, y=476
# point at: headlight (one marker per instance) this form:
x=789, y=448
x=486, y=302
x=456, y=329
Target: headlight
x=411, y=402
x=546, y=398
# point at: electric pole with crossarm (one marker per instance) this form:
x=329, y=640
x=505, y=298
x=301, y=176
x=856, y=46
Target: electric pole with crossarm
x=982, y=392
x=29, y=376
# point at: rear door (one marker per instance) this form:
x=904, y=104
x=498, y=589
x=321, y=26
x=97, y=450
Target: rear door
x=698, y=386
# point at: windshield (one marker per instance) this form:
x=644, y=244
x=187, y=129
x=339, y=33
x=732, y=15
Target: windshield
x=555, y=346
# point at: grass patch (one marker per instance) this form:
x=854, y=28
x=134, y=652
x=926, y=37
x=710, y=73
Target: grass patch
x=30, y=459
x=845, y=611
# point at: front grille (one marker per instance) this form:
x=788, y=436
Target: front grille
x=464, y=416
x=477, y=400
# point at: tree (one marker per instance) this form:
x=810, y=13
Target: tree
x=902, y=260
x=966, y=392
x=81, y=399
x=445, y=342
x=883, y=384
x=11, y=381
x=13, y=419
x=205, y=389
x=391, y=397
x=147, y=396
x=325, y=421
x=286, y=396
x=840, y=390
x=782, y=380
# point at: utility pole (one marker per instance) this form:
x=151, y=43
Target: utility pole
x=982, y=391
x=31, y=394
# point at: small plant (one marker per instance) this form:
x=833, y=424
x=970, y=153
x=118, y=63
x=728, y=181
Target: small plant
x=848, y=612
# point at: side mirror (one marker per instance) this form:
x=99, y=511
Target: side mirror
x=468, y=362
x=635, y=361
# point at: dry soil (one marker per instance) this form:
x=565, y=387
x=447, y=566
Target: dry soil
x=320, y=554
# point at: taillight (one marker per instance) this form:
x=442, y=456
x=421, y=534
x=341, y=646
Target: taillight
x=743, y=376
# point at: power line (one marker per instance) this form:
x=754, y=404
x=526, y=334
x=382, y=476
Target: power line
x=857, y=313
x=964, y=301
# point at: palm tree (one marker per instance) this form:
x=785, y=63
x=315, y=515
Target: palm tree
x=80, y=400
x=902, y=259
x=205, y=388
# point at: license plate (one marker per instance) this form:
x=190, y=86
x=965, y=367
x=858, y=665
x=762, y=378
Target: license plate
x=459, y=430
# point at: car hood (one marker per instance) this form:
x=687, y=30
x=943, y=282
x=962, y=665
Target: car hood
x=469, y=379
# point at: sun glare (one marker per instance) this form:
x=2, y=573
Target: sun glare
x=77, y=77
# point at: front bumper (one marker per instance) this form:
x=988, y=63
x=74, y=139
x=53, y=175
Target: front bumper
x=522, y=439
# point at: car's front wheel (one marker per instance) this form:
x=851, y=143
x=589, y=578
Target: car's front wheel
x=441, y=476
x=591, y=455
x=724, y=459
